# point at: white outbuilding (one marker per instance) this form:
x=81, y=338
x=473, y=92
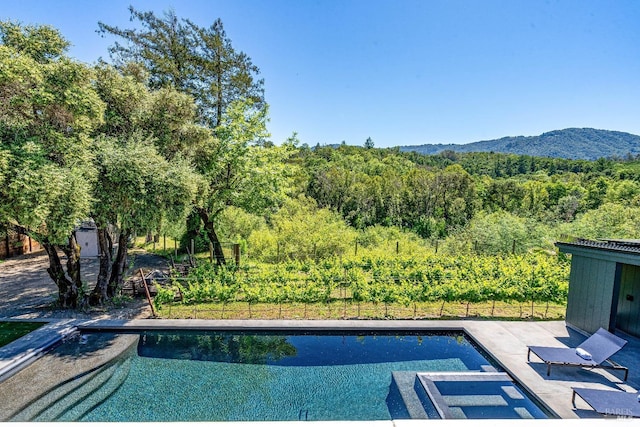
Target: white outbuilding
x=87, y=237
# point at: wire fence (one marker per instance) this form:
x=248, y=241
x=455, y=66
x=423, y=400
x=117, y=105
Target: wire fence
x=362, y=311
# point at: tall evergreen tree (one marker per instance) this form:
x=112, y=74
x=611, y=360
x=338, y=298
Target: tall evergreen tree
x=200, y=61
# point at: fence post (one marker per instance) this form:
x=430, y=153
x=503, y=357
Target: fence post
x=436, y=245
x=146, y=289
x=164, y=242
x=397, y=247
x=356, y=252
x=175, y=248
x=513, y=248
x=277, y=252
x=236, y=253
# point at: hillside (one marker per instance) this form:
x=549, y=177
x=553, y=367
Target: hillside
x=573, y=143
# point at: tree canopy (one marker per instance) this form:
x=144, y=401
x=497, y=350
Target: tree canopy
x=48, y=111
x=201, y=62
x=198, y=61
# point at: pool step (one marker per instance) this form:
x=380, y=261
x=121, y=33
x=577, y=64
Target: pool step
x=402, y=385
x=71, y=393
x=88, y=403
x=51, y=397
x=76, y=395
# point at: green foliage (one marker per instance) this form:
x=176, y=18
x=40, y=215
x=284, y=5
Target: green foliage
x=237, y=225
x=301, y=230
x=48, y=112
x=611, y=220
x=370, y=187
x=382, y=280
x=498, y=233
x=379, y=240
x=43, y=43
x=200, y=62
x=622, y=191
x=140, y=189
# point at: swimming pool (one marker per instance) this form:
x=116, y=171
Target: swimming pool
x=256, y=376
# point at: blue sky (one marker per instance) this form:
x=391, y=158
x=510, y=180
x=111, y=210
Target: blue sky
x=408, y=72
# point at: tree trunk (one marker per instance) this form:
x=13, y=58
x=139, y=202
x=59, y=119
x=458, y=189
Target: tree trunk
x=57, y=274
x=119, y=264
x=69, y=283
x=72, y=251
x=213, y=237
x=99, y=294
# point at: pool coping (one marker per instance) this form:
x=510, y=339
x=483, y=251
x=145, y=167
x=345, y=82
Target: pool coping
x=25, y=350
x=505, y=346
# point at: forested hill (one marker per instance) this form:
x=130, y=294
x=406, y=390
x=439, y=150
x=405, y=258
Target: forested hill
x=574, y=143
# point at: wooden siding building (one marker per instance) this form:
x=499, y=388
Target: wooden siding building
x=604, y=285
x=12, y=244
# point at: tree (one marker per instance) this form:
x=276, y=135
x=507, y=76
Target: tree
x=609, y=221
x=498, y=233
x=236, y=172
x=303, y=231
x=48, y=110
x=224, y=75
x=368, y=144
x=202, y=63
x=163, y=47
x=454, y=195
x=199, y=61
x=143, y=180
x=137, y=189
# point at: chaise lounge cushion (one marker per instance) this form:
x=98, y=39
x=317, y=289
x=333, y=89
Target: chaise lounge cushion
x=609, y=402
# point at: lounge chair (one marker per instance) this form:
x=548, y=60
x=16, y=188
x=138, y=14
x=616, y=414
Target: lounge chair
x=609, y=402
x=594, y=352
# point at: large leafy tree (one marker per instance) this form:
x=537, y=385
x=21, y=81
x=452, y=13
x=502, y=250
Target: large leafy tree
x=138, y=189
x=48, y=110
x=202, y=62
x=143, y=180
x=238, y=171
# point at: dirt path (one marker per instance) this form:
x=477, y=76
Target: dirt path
x=27, y=292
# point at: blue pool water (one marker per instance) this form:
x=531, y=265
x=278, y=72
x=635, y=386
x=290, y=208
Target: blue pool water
x=222, y=376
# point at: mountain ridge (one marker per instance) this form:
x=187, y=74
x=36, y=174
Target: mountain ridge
x=570, y=143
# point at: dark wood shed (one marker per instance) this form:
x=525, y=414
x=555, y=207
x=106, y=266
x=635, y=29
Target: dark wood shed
x=604, y=285
x=13, y=243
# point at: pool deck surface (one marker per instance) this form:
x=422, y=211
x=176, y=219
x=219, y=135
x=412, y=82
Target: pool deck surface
x=506, y=341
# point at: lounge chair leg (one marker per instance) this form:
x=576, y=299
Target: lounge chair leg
x=573, y=399
x=626, y=374
x=529, y=355
x=548, y=369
